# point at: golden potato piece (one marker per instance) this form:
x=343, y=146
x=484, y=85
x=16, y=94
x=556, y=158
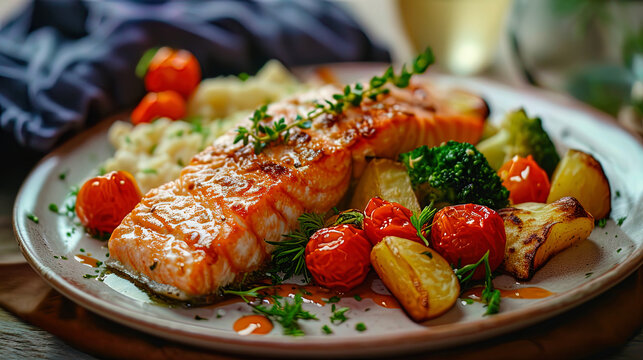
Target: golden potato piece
x=581, y=176
x=421, y=280
x=387, y=179
x=536, y=232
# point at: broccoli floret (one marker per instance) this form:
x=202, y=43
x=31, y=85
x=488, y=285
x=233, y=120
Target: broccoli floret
x=520, y=135
x=454, y=173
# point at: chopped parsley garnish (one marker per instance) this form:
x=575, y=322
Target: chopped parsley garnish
x=326, y=330
x=618, y=194
x=90, y=276
x=618, y=250
x=357, y=297
x=243, y=76
x=339, y=316
x=63, y=257
x=253, y=293
x=62, y=175
x=33, y=218
x=149, y=171
x=333, y=299
x=601, y=222
x=99, y=263
x=360, y=327
x=588, y=275
x=467, y=301
x=305, y=292
x=197, y=317
x=287, y=314
x=621, y=220
x=82, y=250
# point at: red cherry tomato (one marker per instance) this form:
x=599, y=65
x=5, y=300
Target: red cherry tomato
x=171, y=69
x=383, y=218
x=462, y=234
x=525, y=180
x=155, y=105
x=339, y=257
x=102, y=202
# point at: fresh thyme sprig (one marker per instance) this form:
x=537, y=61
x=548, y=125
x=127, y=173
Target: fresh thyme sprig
x=287, y=314
x=490, y=295
x=422, y=221
x=354, y=95
x=262, y=135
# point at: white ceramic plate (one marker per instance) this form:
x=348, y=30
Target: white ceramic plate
x=575, y=276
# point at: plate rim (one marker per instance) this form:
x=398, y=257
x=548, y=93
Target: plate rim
x=401, y=342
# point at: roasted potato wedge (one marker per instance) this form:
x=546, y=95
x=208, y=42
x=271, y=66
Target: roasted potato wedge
x=387, y=179
x=421, y=279
x=536, y=232
x=581, y=176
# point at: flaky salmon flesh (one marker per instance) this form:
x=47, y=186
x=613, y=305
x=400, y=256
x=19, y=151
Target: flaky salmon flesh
x=208, y=229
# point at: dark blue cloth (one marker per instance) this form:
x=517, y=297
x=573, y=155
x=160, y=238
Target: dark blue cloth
x=66, y=64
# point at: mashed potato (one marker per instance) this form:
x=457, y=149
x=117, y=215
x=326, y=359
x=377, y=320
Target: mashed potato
x=155, y=153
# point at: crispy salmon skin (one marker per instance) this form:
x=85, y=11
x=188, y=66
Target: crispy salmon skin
x=189, y=238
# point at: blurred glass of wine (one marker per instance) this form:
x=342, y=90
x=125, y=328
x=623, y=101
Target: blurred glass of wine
x=464, y=34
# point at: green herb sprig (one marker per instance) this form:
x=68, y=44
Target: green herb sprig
x=422, y=222
x=253, y=293
x=287, y=314
x=262, y=135
x=289, y=254
x=354, y=95
x=490, y=295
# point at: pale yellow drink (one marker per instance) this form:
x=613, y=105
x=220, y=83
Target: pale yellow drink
x=464, y=34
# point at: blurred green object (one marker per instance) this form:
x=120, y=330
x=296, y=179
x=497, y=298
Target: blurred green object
x=587, y=48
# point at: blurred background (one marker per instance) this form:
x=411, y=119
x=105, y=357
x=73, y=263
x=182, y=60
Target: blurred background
x=589, y=49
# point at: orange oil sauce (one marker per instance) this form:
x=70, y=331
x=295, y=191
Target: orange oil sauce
x=252, y=324
x=530, y=292
x=86, y=260
x=320, y=295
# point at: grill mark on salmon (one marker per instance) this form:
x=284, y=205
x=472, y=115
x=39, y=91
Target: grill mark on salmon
x=209, y=228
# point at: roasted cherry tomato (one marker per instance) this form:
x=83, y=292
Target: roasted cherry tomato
x=383, y=218
x=171, y=69
x=338, y=257
x=525, y=180
x=102, y=202
x=462, y=234
x=155, y=105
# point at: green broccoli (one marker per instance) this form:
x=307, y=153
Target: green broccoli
x=520, y=135
x=454, y=173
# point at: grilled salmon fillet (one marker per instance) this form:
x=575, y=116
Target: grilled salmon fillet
x=190, y=237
